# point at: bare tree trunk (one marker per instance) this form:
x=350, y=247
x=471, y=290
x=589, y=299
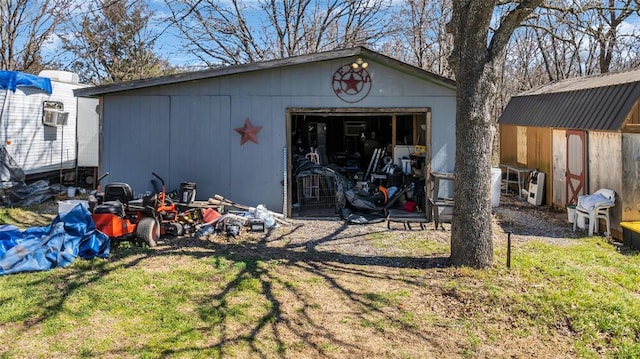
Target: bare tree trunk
x=471, y=236
x=472, y=61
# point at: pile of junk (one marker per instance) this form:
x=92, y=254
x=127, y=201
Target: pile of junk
x=14, y=191
x=143, y=219
x=120, y=216
x=358, y=197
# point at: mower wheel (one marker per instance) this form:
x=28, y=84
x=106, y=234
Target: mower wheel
x=148, y=231
x=177, y=229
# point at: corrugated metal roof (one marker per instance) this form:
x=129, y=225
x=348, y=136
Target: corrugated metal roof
x=256, y=66
x=595, y=103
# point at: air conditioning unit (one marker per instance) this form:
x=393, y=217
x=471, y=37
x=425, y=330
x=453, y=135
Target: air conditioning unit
x=354, y=128
x=55, y=118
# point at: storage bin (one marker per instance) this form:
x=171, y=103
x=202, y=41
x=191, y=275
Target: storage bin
x=66, y=206
x=187, y=192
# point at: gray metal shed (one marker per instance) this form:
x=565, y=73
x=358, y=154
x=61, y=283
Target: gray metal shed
x=187, y=127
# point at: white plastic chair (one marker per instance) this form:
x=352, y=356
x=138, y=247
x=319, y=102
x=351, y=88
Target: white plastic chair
x=595, y=207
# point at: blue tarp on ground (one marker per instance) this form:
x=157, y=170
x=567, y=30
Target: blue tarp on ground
x=13, y=79
x=70, y=235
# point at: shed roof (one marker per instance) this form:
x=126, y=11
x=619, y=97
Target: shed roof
x=270, y=64
x=589, y=103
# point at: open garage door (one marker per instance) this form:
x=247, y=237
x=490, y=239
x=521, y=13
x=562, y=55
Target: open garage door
x=380, y=147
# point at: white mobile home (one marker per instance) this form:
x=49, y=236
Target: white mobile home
x=42, y=124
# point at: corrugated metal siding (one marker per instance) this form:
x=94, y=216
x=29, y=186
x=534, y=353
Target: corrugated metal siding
x=250, y=173
x=35, y=147
x=198, y=150
x=88, y=128
x=138, y=132
x=602, y=108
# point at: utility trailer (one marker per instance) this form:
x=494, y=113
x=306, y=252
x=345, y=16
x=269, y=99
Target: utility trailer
x=45, y=129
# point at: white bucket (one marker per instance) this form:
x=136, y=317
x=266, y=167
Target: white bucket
x=71, y=192
x=571, y=213
x=406, y=166
x=496, y=178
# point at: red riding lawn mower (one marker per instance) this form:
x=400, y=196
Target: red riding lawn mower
x=121, y=217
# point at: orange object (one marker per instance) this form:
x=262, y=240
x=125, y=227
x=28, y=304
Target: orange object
x=209, y=215
x=113, y=225
x=385, y=192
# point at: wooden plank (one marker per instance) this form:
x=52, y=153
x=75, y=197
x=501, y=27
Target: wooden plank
x=605, y=169
x=508, y=144
x=605, y=161
x=559, y=168
x=521, y=137
x=428, y=158
x=539, y=156
x=633, y=118
x=630, y=191
x=631, y=128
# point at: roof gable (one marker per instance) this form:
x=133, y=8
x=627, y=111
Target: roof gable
x=271, y=64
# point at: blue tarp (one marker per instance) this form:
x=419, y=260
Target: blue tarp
x=70, y=235
x=13, y=79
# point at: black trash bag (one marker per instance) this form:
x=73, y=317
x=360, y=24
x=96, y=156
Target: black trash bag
x=10, y=171
x=23, y=195
x=361, y=218
x=363, y=200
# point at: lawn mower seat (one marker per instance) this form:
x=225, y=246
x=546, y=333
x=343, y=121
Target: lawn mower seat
x=118, y=192
x=111, y=207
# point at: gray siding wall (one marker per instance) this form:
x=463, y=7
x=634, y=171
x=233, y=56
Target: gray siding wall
x=185, y=132
x=87, y=132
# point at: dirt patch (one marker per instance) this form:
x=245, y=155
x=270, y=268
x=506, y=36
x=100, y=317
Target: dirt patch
x=367, y=291
x=523, y=220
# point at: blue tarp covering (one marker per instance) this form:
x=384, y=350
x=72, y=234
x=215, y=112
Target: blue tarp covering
x=13, y=79
x=70, y=235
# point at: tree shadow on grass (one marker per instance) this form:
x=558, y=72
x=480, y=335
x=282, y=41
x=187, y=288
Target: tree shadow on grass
x=65, y=282
x=273, y=330
x=302, y=259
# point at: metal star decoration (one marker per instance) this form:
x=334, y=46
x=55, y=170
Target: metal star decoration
x=248, y=132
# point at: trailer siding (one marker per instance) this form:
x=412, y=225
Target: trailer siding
x=36, y=147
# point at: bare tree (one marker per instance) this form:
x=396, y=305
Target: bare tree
x=221, y=33
x=112, y=43
x=601, y=21
x=25, y=27
x=420, y=37
x=476, y=49
x=583, y=37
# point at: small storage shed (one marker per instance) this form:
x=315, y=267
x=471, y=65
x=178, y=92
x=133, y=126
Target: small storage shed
x=234, y=130
x=584, y=133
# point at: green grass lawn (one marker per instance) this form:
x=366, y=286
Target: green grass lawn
x=251, y=298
